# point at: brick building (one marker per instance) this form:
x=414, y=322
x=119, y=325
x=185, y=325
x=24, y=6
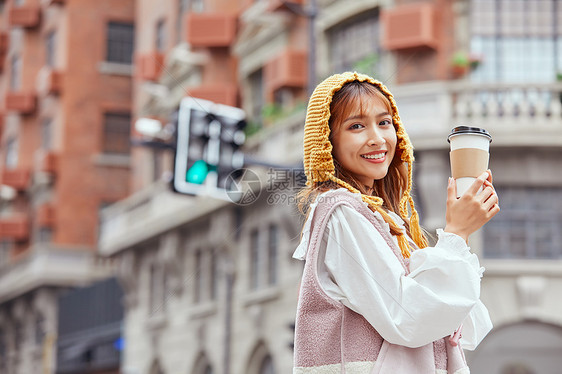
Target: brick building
x=210, y=286
x=65, y=92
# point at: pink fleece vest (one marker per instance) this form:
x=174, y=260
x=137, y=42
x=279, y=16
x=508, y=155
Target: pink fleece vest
x=331, y=338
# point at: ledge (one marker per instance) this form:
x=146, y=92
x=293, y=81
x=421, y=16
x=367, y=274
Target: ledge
x=113, y=68
x=202, y=310
x=521, y=267
x=262, y=296
x=102, y=159
x=156, y=321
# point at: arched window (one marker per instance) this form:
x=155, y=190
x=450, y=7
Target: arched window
x=156, y=368
x=202, y=365
x=267, y=366
x=522, y=348
x=260, y=361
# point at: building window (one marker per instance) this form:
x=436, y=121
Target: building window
x=3, y=351
x=529, y=225
x=157, y=294
x=45, y=235
x=160, y=35
x=117, y=128
x=267, y=366
x=254, y=259
x=120, y=42
x=11, y=155
x=5, y=249
x=157, y=160
x=182, y=7
x=15, y=73
x=272, y=255
x=51, y=48
x=517, y=40
x=199, y=284
x=197, y=6
x=46, y=134
x=18, y=337
x=264, y=258
x=213, y=277
x=39, y=330
x=355, y=44
x=206, y=273
x=257, y=93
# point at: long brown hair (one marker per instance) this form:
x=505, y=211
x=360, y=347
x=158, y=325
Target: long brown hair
x=391, y=187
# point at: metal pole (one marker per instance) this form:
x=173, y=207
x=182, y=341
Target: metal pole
x=312, y=11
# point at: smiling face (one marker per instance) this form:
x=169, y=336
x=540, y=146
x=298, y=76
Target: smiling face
x=362, y=134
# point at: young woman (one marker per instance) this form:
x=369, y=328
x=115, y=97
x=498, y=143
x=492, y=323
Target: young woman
x=374, y=297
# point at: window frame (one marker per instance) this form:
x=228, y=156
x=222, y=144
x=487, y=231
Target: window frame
x=106, y=134
x=114, y=45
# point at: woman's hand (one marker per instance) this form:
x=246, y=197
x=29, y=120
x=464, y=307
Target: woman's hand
x=472, y=210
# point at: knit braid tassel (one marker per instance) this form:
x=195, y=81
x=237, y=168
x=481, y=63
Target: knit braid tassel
x=414, y=219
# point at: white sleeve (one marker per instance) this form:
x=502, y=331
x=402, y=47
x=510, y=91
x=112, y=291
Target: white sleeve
x=365, y=275
x=475, y=326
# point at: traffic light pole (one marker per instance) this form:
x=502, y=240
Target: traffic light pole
x=249, y=161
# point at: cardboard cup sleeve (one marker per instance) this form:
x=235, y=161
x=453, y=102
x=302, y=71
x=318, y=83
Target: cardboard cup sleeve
x=468, y=162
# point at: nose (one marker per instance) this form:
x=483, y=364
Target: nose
x=375, y=136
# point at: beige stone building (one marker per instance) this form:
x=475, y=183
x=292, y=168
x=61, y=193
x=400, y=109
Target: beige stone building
x=211, y=286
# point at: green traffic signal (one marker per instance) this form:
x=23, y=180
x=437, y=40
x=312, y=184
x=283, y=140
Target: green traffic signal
x=197, y=172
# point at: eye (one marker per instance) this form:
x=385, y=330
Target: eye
x=385, y=122
x=355, y=126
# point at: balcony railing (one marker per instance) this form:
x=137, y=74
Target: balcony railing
x=515, y=114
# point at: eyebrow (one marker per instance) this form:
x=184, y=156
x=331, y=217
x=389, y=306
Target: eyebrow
x=383, y=114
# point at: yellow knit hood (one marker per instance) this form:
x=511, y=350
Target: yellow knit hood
x=319, y=165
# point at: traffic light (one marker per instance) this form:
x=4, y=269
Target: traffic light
x=208, y=154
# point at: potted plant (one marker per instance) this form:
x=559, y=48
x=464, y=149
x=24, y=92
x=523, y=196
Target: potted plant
x=462, y=63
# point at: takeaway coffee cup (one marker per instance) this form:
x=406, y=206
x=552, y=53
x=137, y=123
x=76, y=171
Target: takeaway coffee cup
x=469, y=155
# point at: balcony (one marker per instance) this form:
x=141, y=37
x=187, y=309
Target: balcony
x=24, y=103
x=274, y=5
x=149, y=66
x=16, y=178
x=515, y=114
x=411, y=26
x=289, y=69
x=25, y=16
x=210, y=29
x=45, y=215
x=226, y=94
x=14, y=228
x=49, y=82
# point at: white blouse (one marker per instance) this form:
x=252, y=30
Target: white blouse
x=441, y=291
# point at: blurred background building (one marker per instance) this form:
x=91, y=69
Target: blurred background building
x=65, y=91
x=209, y=286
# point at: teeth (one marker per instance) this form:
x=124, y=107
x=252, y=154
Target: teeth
x=376, y=156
